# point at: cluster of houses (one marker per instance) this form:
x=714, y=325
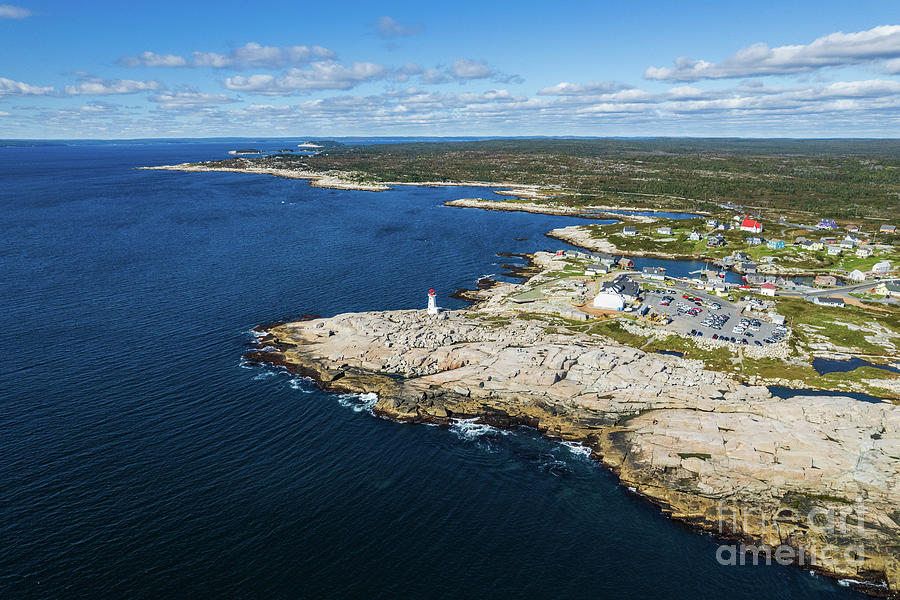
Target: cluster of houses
x=602, y=263
x=829, y=224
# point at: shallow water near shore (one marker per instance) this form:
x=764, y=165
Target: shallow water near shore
x=144, y=459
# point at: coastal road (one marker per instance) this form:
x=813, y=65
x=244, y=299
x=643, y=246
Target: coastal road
x=844, y=289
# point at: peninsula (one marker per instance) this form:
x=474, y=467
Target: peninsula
x=709, y=450
x=703, y=394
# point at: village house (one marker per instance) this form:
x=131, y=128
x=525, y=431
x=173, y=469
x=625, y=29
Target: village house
x=596, y=269
x=739, y=256
x=825, y=280
x=863, y=252
x=775, y=244
x=694, y=236
x=614, y=294
x=724, y=227
x=880, y=268
x=812, y=245
x=888, y=229
x=626, y=263
x=750, y=225
x=767, y=289
x=664, y=230
x=712, y=223
x=748, y=267
x=755, y=241
x=658, y=273
x=852, y=228
x=834, y=250
x=889, y=288
x=857, y=275
x=829, y=301
x=827, y=224
x=849, y=242
x=715, y=240
x=629, y=230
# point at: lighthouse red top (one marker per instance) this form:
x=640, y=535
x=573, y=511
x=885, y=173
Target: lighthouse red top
x=431, y=292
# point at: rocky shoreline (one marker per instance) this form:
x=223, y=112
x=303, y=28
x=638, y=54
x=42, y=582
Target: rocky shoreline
x=711, y=452
x=340, y=180
x=587, y=212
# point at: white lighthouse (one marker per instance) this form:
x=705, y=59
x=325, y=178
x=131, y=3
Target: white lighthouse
x=432, y=305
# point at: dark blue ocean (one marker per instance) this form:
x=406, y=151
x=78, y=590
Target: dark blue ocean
x=140, y=458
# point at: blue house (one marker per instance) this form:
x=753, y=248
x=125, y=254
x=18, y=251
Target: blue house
x=775, y=244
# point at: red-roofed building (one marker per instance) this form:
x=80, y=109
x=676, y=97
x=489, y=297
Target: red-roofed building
x=767, y=289
x=749, y=224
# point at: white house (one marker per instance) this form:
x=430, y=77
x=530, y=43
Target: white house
x=834, y=250
x=629, y=230
x=664, y=230
x=658, y=273
x=694, y=236
x=881, y=268
x=857, y=275
x=863, y=252
x=597, y=269
x=767, y=289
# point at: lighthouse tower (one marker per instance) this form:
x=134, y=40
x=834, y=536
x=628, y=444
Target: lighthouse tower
x=432, y=306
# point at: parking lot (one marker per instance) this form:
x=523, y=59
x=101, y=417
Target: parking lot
x=708, y=316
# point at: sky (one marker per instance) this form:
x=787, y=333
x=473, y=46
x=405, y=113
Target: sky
x=162, y=69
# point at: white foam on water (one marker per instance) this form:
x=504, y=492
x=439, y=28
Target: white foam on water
x=268, y=349
x=578, y=449
x=359, y=402
x=263, y=375
x=302, y=384
x=246, y=365
x=468, y=429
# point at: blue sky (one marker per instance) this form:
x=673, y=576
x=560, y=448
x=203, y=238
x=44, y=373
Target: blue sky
x=203, y=69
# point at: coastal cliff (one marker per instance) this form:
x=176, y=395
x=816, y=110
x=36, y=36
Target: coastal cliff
x=819, y=475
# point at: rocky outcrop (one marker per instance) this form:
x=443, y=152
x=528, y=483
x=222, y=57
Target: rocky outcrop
x=710, y=451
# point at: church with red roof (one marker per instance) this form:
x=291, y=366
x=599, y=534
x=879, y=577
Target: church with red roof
x=749, y=224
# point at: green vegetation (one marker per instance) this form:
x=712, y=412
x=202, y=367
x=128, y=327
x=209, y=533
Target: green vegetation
x=839, y=178
x=700, y=455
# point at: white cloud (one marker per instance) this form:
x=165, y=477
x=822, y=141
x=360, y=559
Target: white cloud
x=388, y=27
x=573, y=89
x=8, y=11
x=151, y=59
x=106, y=87
x=465, y=69
x=210, y=59
x=833, y=50
x=250, y=55
x=10, y=87
x=320, y=75
x=189, y=99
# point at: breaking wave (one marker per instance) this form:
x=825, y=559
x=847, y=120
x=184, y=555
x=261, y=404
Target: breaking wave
x=359, y=402
x=578, y=449
x=468, y=429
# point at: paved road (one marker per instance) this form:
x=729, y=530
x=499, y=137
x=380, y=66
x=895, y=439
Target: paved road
x=844, y=289
x=781, y=221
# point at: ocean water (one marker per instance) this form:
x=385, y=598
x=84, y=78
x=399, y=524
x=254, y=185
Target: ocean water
x=142, y=459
